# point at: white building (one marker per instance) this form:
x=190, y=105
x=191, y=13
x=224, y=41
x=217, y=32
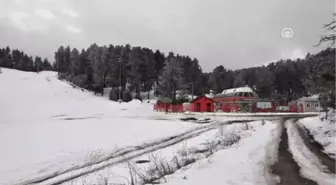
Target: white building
x=308, y=104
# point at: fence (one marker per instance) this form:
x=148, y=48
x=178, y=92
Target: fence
x=168, y=108
x=227, y=108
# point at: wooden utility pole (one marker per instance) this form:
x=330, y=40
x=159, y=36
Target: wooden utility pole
x=192, y=90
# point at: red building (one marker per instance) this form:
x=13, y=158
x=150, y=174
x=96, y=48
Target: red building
x=236, y=100
x=202, y=104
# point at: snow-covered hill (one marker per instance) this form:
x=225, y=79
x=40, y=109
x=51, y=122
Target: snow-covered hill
x=27, y=96
x=46, y=124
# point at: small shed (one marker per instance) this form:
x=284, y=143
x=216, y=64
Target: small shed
x=202, y=104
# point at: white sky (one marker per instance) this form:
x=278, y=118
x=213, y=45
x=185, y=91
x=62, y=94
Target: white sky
x=232, y=33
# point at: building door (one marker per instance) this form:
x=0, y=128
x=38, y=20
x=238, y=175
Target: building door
x=198, y=107
x=208, y=107
x=244, y=107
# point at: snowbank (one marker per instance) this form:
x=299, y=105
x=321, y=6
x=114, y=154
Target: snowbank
x=259, y=114
x=310, y=166
x=323, y=132
x=244, y=163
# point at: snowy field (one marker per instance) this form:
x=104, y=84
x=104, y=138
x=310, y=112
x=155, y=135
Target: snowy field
x=244, y=162
x=45, y=125
x=52, y=133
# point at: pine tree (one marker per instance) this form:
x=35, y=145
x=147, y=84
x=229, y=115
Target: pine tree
x=171, y=78
x=67, y=58
x=74, y=62
x=60, y=60
x=217, y=79
x=192, y=73
x=149, y=77
x=38, y=65
x=265, y=83
x=6, y=58
x=111, y=67
x=46, y=65
x=137, y=70
x=159, y=63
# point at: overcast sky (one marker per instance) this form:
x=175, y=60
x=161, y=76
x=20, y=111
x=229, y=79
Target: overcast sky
x=232, y=33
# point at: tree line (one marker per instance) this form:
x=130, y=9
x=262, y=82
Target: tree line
x=126, y=68
x=138, y=69
x=16, y=59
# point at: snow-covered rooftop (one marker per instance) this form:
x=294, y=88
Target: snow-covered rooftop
x=310, y=98
x=316, y=96
x=239, y=89
x=209, y=95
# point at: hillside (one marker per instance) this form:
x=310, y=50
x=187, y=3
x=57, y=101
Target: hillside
x=46, y=125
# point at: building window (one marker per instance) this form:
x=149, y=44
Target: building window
x=317, y=105
x=264, y=105
x=308, y=105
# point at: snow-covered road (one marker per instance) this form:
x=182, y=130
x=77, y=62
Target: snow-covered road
x=297, y=164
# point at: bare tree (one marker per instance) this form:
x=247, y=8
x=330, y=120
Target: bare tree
x=331, y=36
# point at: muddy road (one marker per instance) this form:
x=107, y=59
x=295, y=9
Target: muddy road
x=286, y=167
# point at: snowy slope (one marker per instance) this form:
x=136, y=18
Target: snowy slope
x=46, y=124
x=46, y=96
x=324, y=131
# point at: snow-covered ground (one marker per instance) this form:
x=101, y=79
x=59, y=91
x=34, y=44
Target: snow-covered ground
x=258, y=114
x=46, y=124
x=245, y=162
x=324, y=131
x=310, y=165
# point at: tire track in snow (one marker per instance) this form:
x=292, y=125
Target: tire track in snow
x=121, y=155
x=286, y=167
x=310, y=165
x=316, y=148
